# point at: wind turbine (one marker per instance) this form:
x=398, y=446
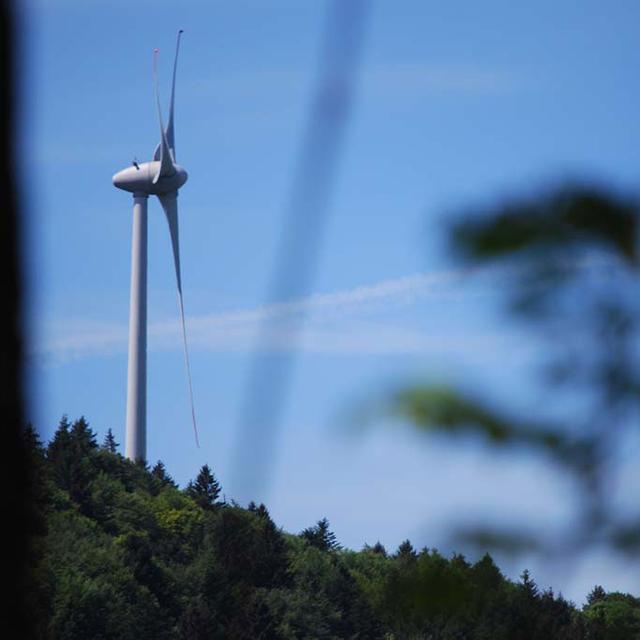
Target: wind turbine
x=161, y=177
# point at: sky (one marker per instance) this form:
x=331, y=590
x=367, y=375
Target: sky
x=454, y=105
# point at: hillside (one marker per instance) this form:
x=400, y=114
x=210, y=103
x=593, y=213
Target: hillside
x=122, y=552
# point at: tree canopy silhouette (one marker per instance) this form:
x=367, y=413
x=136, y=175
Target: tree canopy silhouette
x=122, y=552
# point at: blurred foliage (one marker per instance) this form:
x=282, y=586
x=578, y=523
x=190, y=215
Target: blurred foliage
x=570, y=262
x=559, y=222
x=122, y=552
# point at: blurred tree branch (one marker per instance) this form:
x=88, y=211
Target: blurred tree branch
x=575, y=254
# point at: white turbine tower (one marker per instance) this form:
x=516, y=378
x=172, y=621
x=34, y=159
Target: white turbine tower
x=161, y=177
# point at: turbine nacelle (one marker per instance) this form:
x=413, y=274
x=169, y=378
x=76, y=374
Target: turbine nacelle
x=142, y=179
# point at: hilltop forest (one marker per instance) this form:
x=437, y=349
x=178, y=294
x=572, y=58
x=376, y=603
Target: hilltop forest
x=122, y=552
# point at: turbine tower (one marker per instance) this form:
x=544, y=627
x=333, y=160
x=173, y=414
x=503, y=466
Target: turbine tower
x=161, y=177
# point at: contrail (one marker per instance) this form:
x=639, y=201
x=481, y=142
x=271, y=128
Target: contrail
x=71, y=340
x=235, y=330
x=394, y=290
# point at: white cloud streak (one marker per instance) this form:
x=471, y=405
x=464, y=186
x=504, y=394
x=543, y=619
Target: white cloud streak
x=349, y=321
x=339, y=322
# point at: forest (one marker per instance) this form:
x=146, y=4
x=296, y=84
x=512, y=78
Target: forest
x=121, y=551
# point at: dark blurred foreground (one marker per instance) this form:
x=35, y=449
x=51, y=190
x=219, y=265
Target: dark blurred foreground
x=122, y=553
x=13, y=476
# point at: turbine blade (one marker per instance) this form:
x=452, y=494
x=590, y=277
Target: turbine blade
x=169, y=131
x=166, y=163
x=169, y=202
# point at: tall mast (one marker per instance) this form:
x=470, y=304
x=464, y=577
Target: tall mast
x=136, y=436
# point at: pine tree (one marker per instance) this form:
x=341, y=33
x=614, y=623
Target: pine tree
x=83, y=438
x=528, y=585
x=59, y=453
x=32, y=441
x=378, y=549
x=205, y=490
x=459, y=563
x=159, y=471
x=260, y=510
x=486, y=575
x=110, y=443
x=597, y=594
x=70, y=453
x=60, y=441
x=406, y=552
x=263, y=512
x=321, y=536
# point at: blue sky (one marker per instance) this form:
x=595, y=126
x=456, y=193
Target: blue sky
x=455, y=105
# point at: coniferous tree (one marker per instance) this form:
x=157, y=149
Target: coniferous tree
x=70, y=452
x=32, y=441
x=597, y=595
x=60, y=455
x=83, y=438
x=486, y=575
x=59, y=444
x=321, y=537
x=260, y=510
x=159, y=471
x=406, y=552
x=459, y=562
x=378, y=549
x=110, y=443
x=205, y=489
x=529, y=587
